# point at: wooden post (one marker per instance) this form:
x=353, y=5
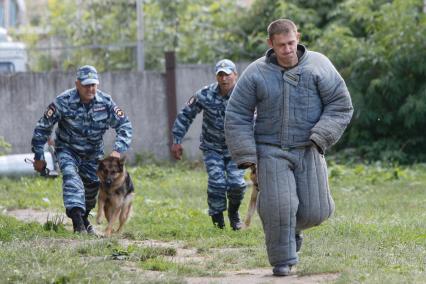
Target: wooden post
x=171, y=90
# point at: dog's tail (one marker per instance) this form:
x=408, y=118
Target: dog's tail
x=253, y=198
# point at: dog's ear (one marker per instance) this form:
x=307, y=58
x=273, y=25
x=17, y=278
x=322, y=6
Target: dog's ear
x=121, y=163
x=100, y=164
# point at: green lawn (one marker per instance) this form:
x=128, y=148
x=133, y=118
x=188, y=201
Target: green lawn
x=377, y=234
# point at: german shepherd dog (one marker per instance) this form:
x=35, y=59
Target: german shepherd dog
x=253, y=198
x=115, y=193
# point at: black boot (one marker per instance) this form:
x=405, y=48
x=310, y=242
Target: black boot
x=281, y=270
x=218, y=220
x=234, y=216
x=76, y=215
x=89, y=227
x=299, y=240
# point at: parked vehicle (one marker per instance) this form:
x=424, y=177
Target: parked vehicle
x=13, y=55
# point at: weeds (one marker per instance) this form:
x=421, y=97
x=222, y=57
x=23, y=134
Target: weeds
x=54, y=223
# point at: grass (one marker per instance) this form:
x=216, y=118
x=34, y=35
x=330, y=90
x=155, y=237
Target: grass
x=377, y=234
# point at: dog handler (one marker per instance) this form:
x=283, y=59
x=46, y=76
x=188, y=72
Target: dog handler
x=303, y=107
x=225, y=180
x=83, y=115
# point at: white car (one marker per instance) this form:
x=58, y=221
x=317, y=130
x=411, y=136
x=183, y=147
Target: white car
x=13, y=55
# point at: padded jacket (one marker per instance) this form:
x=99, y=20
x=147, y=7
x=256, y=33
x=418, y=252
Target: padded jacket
x=309, y=102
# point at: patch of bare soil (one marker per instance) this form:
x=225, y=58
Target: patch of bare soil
x=31, y=215
x=184, y=255
x=262, y=275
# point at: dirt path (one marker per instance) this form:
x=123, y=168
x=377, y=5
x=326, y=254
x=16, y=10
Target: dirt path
x=31, y=215
x=185, y=255
x=263, y=276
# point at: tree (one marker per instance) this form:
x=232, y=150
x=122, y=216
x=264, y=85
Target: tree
x=199, y=31
x=381, y=53
x=103, y=32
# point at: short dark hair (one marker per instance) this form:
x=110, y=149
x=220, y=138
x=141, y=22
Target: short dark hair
x=281, y=26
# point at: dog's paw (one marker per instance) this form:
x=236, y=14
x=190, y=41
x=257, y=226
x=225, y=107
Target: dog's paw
x=108, y=232
x=245, y=225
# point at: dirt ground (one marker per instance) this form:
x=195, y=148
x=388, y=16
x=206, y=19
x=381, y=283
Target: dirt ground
x=185, y=255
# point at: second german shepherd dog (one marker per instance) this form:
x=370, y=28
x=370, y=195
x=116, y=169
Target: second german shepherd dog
x=253, y=198
x=115, y=193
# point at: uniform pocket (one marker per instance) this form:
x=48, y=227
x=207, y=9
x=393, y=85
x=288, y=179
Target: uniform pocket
x=100, y=120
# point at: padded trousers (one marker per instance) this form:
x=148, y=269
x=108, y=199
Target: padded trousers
x=294, y=195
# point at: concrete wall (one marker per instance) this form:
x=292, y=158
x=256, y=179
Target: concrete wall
x=189, y=79
x=25, y=96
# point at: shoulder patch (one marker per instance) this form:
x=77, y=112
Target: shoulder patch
x=119, y=112
x=192, y=100
x=51, y=109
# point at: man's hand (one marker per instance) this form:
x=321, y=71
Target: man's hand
x=177, y=151
x=39, y=165
x=115, y=154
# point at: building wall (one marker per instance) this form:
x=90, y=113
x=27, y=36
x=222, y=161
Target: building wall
x=12, y=13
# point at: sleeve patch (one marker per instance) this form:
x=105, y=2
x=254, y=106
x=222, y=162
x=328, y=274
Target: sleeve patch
x=192, y=100
x=51, y=109
x=119, y=112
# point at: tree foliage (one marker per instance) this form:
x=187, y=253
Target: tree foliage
x=379, y=48
x=199, y=31
x=103, y=32
x=94, y=32
x=386, y=75
x=4, y=146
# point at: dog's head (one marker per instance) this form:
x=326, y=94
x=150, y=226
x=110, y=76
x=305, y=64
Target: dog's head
x=111, y=170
